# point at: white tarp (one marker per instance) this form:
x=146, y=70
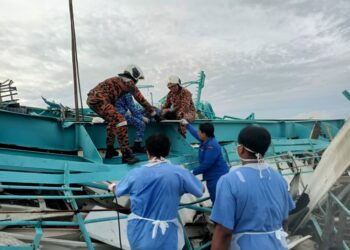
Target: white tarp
x=335, y=161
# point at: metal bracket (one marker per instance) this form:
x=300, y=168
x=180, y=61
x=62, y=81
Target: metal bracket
x=89, y=149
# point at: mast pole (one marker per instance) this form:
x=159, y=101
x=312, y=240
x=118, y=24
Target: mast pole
x=74, y=60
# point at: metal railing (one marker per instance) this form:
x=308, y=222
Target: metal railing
x=332, y=235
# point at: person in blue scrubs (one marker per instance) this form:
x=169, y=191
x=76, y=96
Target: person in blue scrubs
x=211, y=161
x=134, y=116
x=155, y=191
x=252, y=201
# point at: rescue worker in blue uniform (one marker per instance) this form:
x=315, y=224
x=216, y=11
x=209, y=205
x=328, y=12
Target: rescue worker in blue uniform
x=125, y=105
x=252, y=201
x=211, y=161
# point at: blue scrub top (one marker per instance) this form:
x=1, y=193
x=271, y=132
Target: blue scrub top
x=155, y=193
x=248, y=202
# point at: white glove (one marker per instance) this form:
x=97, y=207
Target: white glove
x=145, y=119
x=111, y=187
x=183, y=122
x=97, y=120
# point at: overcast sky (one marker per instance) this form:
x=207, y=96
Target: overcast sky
x=279, y=59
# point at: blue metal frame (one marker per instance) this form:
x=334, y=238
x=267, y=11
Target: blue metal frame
x=198, y=209
x=62, y=170
x=89, y=149
x=51, y=134
x=331, y=201
x=346, y=94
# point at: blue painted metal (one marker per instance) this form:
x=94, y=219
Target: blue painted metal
x=250, y=117
x=280, y=146
x=58, y=223
x=79, y=219
x=49, y=131
x=90, y=151
x=38, y=235
x=38, y=230
x=35, y=132
x=34, y=223
x=197, y=208
x=346, y=94
x=319, y=231
x=121, y=217
x=229, y=117
x=54, y=197
x=228, y=130
x=345, y=245
x=40, y=188
x=332, y=199
x=208, y=244
x=340, y=204
x=16, y=247
x=302, y=172
x=316, y=225
x=40, y=162
x=68, y=194
x=187, y=240
x=35, y=168
x=200, y=87
x=96, y=185
x=52, y=104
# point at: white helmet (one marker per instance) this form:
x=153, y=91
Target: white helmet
x=134, y=71
x=173, y=80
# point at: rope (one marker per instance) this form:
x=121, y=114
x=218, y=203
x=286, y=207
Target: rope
x=119, y=230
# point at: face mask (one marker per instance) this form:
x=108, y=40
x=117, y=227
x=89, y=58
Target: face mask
x=258, y=156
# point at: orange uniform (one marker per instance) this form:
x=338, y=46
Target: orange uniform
x=102, y=98
x=182, y=103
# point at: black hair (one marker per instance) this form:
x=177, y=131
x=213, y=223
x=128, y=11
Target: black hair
x=158, y=145
x=255, y=138
x=170, y=115
x=207, y=129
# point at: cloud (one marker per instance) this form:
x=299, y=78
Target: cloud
x=279, y=59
